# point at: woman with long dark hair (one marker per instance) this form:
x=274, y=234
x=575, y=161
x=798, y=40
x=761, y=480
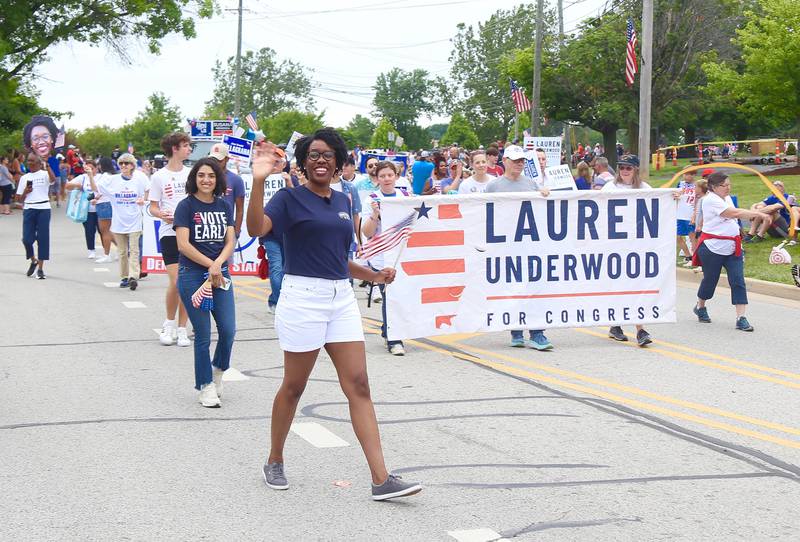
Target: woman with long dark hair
x=318, y=307
x=206, y=236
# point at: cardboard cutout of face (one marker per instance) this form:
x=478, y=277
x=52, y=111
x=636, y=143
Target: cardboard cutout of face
x=39, y=136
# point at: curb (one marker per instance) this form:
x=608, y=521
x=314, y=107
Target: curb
x=764, y=287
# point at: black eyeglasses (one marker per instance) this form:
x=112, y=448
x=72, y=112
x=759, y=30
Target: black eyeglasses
x=327, y=155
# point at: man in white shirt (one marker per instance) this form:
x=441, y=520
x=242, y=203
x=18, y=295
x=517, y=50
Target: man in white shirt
x=168, y=188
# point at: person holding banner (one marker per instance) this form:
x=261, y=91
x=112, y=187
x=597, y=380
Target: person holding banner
x=318, y=307
x=720, y=245
x=204, y=229
x=371, y=226
x=167, y=190
x=514, y=181
x=628, y=179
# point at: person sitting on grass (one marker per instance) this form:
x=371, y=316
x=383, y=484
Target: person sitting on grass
x=771, y=205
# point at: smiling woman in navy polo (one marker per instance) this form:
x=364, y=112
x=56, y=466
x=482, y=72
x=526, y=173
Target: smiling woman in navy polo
x=317, y=307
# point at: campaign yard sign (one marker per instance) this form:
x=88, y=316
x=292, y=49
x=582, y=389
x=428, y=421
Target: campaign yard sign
x=551, y=146
x=202, y=130
x=559, y=178
x=239, y=149
x=493, y=262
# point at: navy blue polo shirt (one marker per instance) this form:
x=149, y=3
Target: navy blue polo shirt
x=316, y=232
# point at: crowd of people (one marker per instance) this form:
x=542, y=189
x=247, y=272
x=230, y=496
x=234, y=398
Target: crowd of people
x=311, y=233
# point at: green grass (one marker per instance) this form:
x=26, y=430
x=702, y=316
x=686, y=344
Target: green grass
x=749, y=190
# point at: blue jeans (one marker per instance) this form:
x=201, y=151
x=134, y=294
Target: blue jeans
x=712, y=265
x=224, y=311
x=518, y=333
x=89, y=229
x=275, y=256
x=36, y=229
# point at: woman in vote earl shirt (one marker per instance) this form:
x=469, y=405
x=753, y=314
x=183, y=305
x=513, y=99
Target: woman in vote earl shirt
x=318, y=307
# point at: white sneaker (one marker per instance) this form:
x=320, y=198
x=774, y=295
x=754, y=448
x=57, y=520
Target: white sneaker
x=208, y=396
x=397, y=350
x=168, y=335
x=91, y=255
x=217, y=375
x=104, y=259
x=182, y=337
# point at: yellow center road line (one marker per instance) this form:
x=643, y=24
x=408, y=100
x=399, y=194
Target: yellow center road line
x=633, y=391
x=697, y=361
x=241, y=291
x=612, y=397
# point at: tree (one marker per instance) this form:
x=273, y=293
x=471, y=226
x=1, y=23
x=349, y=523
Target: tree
x=268, y=85
x=358, y=131
x=28, y=28
x=100, y=140
x=402, y=96
x=157, y=119
x=476, y=58
x=436, y=131
x=280, y=126
x=380, y=138
x=766, y=84
x=17, y=106
x=459, y=132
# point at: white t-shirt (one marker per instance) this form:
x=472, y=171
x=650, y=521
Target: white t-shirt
x=614, y=187
x=402, y=182
x=168, y=188
x=86, y=186
x=714, y=223
x=337, y=186
x=39, y=197
x=377, y=261
x=123, y=193
x=471, y=186
x=686, y=203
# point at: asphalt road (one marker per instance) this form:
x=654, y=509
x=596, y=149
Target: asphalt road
x=101, y=436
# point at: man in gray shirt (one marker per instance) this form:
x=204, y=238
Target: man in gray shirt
x=514, y=181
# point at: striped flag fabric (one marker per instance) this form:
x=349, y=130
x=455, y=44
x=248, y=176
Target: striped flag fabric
x=631, y=66
x=388, y=239
x=203, y=298
x=251, y=121
x=521, y=102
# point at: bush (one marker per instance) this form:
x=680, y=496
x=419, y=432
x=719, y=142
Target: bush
x=791, y=150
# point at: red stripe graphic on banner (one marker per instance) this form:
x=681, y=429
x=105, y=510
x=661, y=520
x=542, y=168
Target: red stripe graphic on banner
x=433, y=267
x=446, y=319
x=445, y=294
x=450, y=210
x=436, y=239
x=580, y=294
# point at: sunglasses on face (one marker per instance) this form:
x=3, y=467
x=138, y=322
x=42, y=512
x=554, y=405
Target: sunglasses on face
x=626, y=168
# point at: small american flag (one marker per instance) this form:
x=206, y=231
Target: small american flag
x=130, y=148
x=631, y=66
x=521, y=102
x=388, y=239
x=251, y=121
x=203, y=298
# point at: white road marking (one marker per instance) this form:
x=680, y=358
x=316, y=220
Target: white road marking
x=476, y=535
x=101, y=270
x=111, y=284
x=233, y=375
x=134, y=304
x=317, y=435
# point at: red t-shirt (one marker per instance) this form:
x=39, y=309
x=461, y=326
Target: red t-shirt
x=496, y=170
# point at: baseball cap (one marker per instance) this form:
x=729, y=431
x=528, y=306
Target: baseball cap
x=424, y=154
x=219, y=151
x=515, y=152
x=706, y=172
x=629, y=160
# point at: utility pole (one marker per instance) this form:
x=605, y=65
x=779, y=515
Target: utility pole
x=537, y=69
x=565, y=129
x=645, y=86
x=238, y=99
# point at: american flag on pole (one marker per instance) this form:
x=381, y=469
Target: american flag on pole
x=630, y=58
x=251, y=121
x=521, y=102
x=388, y=239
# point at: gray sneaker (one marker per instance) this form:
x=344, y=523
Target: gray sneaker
x=393, y=487
x=274, y=477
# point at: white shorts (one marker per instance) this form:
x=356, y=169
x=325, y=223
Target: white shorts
x=312, y=312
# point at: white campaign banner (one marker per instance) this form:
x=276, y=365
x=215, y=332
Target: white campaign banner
x=245, y=258
x=491, y=262
x=551, y=146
